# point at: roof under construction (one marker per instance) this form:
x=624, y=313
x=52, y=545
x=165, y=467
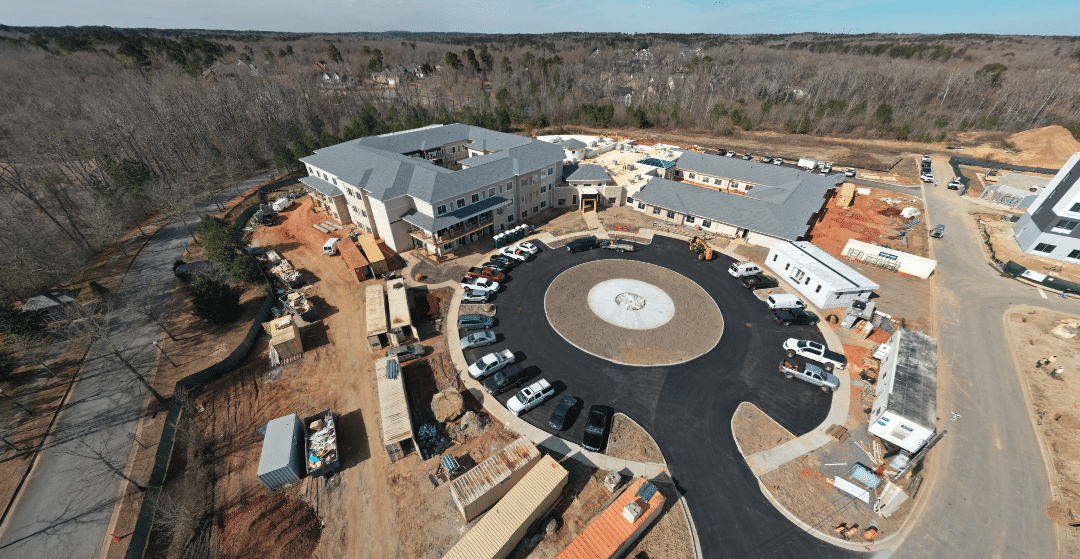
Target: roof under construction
x=375, y=297
x=393, y=403
x=609, y=532
x=371, y=248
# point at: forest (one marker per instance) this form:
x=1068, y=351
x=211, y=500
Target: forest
x=103, y=128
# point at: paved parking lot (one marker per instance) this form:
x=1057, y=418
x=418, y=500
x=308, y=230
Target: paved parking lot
x=686, y=407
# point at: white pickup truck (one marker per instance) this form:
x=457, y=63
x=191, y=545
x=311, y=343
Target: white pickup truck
x=491, y=363
x=815, y=352
x=530, y=397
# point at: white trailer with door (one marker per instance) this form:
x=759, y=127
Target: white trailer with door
x=821, y=278
x=905, y=410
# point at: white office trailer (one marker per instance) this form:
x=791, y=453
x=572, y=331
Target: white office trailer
x=905, y=410
x=820, y=277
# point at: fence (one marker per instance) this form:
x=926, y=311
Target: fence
x=144, y=524
x=957, y=161
x=1057, y=284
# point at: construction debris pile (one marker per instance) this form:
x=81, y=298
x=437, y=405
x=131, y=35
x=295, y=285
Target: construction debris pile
x=322, y=444
x=284, y=270
x=430, y=441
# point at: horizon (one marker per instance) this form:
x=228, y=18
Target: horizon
x=542, y=17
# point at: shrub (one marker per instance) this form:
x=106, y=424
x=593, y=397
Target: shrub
x=214, y=301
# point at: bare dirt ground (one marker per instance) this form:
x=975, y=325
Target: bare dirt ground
x=629, y=441
x=873, y=219
x=1002, y=246
x=1038, y=336
x=755, y=431
x=564, y=222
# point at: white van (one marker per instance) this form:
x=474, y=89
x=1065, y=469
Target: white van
x=282, y=203
x=330, y=247
x=746, y=268
x=784, y=301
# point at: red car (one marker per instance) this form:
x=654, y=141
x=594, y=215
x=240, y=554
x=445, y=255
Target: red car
x=488, y=273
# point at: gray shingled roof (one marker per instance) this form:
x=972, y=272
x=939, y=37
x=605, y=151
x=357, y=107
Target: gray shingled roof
x=752, y=172
x=594, y=173
x=322, y=186
x=428, y=223
x=376, y=165
x=782, y=212
x=572, y=143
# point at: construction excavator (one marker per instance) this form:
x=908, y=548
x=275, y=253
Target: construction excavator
x=704, y=251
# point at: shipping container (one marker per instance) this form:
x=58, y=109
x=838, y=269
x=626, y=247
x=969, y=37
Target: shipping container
x=377, y=321
x=373, y=253
x=479, y=488
x=616, y=529
x=499, y=531
x=397, y=428
x=279, y=462
x=397, y=297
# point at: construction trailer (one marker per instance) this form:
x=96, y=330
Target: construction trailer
x=905, y=409
x=820, y=277
x=286, y=345
x=397, y=427
x=279, y=461
x=397, y=297
x=496, y=534
x=377, y=321
x=616, y=529
x=354, y=259
x=374, y=254
x=479, y=488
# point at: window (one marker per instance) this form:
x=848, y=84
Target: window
x=509, y=186
x=551, y=171
x=1066, y=224
x=1075, y=208
x=535, y=209
x=656, y=211
x=491, y=192
x=818, y=290
x=562, y=201
x=453, y=149
x=706, y=223
x=475, y=198
x=461, y=203
x=689, y=219
x=543, y=204
x=511, y=203
x=363, y=213
x=509, y=217
x=705, y=180
x=441, y=209
x=641, y=205
x=334, y=181
x=774, y=257
x=500, y=189
x=629, y=200
x=543, y=189
x=611, y=201
x=670, y=214
x=691, y=175
x=786, y=266
x=524, y=214
x=1043, y=247
x=807, y=282
x=1074, y=254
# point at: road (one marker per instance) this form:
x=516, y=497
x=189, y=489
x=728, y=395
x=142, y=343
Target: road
x=65, y=508
x=688, y=407
x=991, y=487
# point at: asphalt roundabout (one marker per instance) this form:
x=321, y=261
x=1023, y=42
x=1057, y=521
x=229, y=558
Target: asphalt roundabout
x=633, y=313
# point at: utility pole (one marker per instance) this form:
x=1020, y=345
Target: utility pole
x=165, y=354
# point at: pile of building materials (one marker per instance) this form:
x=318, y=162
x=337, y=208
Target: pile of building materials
x=846, y=195
x=300, y=305
x=285, y=271
x=322, y=449
x=479, y=488
x=286, y=345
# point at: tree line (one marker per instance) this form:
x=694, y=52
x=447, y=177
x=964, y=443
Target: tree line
x=103, y=128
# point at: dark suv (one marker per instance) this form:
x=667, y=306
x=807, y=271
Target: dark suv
x=596, y=427
x=584, y=243
x=511, y=376
x=759, y=281
x=795, y=316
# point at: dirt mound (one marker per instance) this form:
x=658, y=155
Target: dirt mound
x=1053, y=144
x=271, y=527
x=447, y=405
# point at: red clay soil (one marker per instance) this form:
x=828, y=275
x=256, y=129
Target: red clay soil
x=256, y=530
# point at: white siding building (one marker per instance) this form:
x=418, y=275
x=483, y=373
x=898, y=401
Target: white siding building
x=820, y=277
x=1051, y=225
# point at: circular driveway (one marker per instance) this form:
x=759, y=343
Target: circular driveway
x=633, y=313
x=686, y=407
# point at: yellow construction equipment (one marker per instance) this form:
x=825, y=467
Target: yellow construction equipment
x=704, y=251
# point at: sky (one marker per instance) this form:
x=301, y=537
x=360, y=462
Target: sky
x=1057, y=17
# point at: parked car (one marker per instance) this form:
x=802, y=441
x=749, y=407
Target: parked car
x=596, y=427
x=808, y=372
x=938, y=232
x=927, y=177
x=778, y=161
x=511, y=376
x=955, y=184
x=784, y=301
x=475, y=296
x=788, y=317
x=478, y=339
x=491, y=363
x=406, y=352
x=926, y=159
x=584, y=243
x=504, y=259
x=562, y=411
x=528, y=247
x=850, y=172
x=759, y=281
x=747, y=156
x=515, y=253
x=498, y=265
x=482, y=284
x=731, y=153
x=766, y=159
x=530, y=397
x=815, y=352
x=475, y=321
x=491, y=274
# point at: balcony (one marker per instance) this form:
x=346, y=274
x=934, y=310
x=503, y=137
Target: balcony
x=454, y=232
